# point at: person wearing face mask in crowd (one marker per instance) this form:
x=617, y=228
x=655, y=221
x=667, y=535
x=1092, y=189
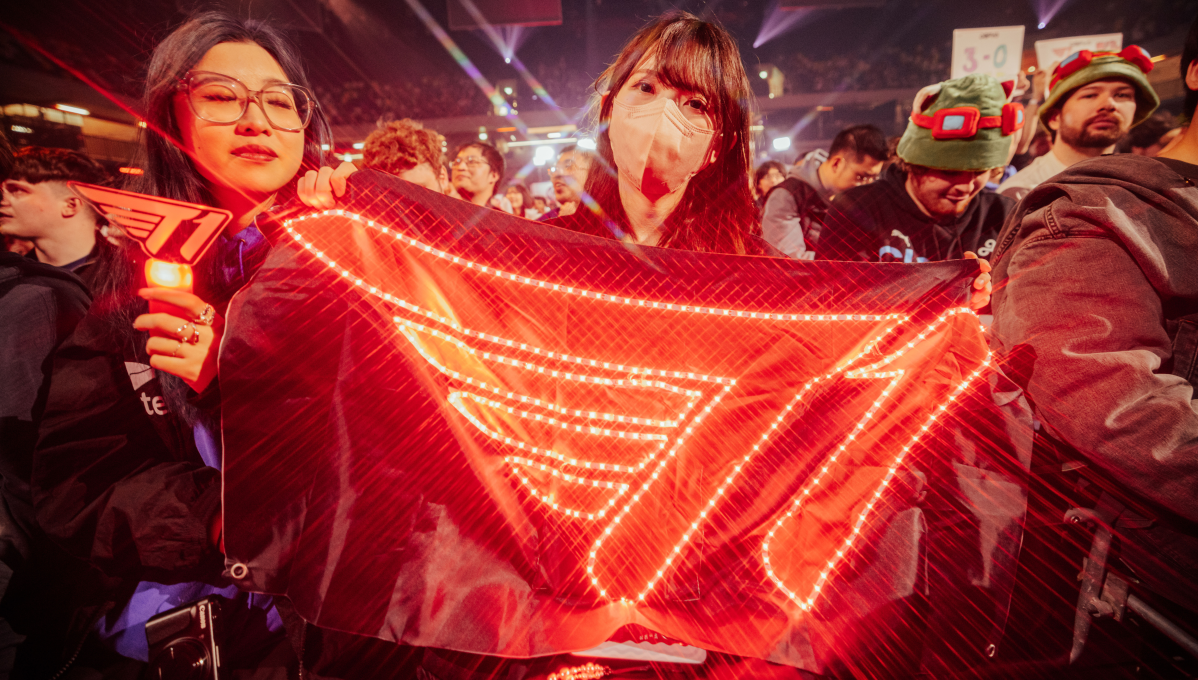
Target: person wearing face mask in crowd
x=1093, y=100
x=405, y=149
x=569, y=177
x=675, y=167
x=794, y=210
x=126, y=482
x=933, y=208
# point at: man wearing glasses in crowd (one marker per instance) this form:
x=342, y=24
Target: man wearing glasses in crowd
x=477, y=168
x=794, y=209
x=569, y=176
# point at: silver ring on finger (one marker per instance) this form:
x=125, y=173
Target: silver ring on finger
x=195, y=335
x=177, y=350
x=179, y=333
x=207, y=316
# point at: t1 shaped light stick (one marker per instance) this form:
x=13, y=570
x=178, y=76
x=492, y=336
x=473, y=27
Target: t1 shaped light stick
x=174, y=234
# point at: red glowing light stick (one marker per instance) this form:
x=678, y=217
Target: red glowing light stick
x=174, y=234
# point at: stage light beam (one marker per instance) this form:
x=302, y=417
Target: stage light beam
x=778, y=21
x=1046, y=10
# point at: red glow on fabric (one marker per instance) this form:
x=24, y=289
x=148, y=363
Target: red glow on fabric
x=599, y=468
x=451, y=427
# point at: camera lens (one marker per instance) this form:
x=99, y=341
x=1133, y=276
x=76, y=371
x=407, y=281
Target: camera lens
x=184, y=659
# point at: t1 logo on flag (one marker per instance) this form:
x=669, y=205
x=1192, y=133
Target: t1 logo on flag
x=652, y=437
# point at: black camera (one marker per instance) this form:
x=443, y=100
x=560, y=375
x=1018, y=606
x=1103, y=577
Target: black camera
x=184, y=642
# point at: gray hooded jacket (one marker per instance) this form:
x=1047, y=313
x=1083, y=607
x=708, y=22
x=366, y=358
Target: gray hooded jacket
x=1096, y=316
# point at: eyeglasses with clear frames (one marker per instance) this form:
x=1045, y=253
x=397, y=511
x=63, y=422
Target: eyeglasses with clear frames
x=222, y=99
x=471, y=161
x=568, y=165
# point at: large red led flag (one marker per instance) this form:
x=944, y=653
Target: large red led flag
x=450, y=427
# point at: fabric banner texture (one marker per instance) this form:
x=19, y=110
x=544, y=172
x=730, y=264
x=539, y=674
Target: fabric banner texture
x=450, y=427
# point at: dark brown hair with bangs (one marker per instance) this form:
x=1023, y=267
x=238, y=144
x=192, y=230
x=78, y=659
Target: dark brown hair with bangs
x=716, y=213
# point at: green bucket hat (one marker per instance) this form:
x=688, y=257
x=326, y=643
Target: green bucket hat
x=961, y=124
x=1132, y=64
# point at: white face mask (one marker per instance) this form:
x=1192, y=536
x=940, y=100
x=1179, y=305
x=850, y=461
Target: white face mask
x=655, y=147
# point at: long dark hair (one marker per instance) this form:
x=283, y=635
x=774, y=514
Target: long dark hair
x=526, y=205
x=716, y=212
x=170, y=173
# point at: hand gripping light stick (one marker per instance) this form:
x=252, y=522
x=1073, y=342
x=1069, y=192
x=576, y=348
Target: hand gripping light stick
x=174, y=234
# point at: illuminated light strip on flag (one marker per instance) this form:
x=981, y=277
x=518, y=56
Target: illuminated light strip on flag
x=727, y=382
x=796, y=505
x=748, y=457
x=570, y=290
x=613, y=467
x=650, y=384
x=515, y=462
x=583, y=429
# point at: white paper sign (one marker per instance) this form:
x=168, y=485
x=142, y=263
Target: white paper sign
x=989, y=51
x=1049, y=52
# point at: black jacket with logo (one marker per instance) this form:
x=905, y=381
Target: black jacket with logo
x=119, y=491
x=880, y=222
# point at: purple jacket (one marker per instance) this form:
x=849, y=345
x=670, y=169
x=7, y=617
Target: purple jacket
x=1096, y=316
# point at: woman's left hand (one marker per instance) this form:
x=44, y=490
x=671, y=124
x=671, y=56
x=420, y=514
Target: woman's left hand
x=982, y=286
x=171, y=332
x=321, y=188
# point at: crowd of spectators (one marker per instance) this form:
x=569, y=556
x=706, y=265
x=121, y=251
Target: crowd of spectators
x=865, y=198
x=882, y=68
x=429, y=96
x=440, y=95
x=420, y=97
x=569, y=88
x=109, y=69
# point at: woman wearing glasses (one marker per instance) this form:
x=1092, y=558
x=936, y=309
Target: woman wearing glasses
x=125, y=478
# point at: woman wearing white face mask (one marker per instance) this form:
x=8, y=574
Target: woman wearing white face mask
x=676, y=165
x=674, y=143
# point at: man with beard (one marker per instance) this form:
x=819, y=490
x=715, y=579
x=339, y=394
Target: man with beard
x=931, y=206
x=1093, y=100
x=1096, y=318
